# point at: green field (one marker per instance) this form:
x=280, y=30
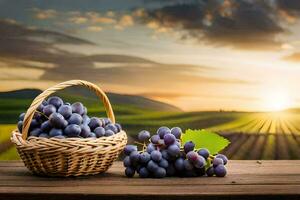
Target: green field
x=252, y=135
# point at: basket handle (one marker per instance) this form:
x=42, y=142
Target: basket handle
x=41, y=97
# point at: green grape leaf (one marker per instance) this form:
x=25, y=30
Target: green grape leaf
x=205, y=139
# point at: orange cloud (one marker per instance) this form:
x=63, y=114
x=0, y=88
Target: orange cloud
x=295, y=57
x=95, y=28
x=78, y=20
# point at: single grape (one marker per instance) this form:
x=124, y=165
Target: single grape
x=143, y=172
x=20, y=126
x=65, y=111
x=188, y=146
x=94, y=123
x=127, y=162
x=109, y=133
x=144, y=157
x=203, y=152
x=155, y=139
x=107, y=121
x=85, y=130
x=220, y=171
x=21, y=116
x=192, y=156
x=56, y=120
x=179, y=164
x=217, y=161
x=55, y=101
x=48, y=110
x=143, y=136
x=163, y=163
x=118, y=126
x=75, y=119
x=165, y=154
x=129, y=172
x=152, y=166
x=67, y=103
x=162, y=131
x=111, y=127
x=188, y=165
x=35, y=132
x=46, y=126
x=38, y=116
x=34, y=124
x=72, y=130
x=160, y=172
x=78, y=108
x=210, y=171
x=44, y=135
x=85, y=119
x=156, y=155
x=200, y=162
x=41, y=107
x=176, y=131
x=66, y=123
x=55, y=132
x=92, y=135
x=129, y=148
x=173, y=150
x=150, y=148
x=134, y=157
x=170, y=170
x=60, y=137
x=169, y=139
x=223, y=157
x=99, y=131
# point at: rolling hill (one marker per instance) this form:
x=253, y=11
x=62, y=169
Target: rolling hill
x=12, y=103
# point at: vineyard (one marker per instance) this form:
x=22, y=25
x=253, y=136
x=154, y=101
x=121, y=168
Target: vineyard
x=263, y=136
x=252, y=135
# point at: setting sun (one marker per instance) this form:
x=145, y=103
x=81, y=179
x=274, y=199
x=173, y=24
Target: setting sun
x=277, y=101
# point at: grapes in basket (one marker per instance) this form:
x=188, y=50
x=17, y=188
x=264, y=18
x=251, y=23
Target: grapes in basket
x=166, y=154
x=59, y=119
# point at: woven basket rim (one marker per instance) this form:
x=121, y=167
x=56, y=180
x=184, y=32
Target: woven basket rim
x=17, y=134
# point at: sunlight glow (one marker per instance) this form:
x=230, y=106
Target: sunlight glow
x=277, y=101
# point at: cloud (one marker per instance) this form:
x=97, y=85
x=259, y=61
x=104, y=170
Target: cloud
x=295, y=57
x=20, y=42
x=78, y=20
x=243, y=24
x=94, y=28
x=36, y=50
x=103, y=20
x=110, y=13
x=126, y=20
x=44, y=14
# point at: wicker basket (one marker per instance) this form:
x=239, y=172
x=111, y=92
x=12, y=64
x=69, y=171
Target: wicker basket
x=70, y=156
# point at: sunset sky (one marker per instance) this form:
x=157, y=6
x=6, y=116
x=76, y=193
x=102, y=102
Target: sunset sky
x=197, y=55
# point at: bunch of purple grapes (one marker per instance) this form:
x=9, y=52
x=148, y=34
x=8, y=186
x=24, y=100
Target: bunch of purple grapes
x=55, y=118
x=165, y=156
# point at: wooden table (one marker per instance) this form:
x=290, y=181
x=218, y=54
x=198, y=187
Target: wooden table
x=245, y=180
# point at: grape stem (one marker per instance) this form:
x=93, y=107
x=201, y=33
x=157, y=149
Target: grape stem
x=143, y=144
x=42, y=114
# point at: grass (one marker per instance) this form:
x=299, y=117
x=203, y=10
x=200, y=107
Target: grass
x=10, y=154
x=5, y=131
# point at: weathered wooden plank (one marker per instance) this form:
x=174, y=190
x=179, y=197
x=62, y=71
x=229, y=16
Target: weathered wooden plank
x=245, y=180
